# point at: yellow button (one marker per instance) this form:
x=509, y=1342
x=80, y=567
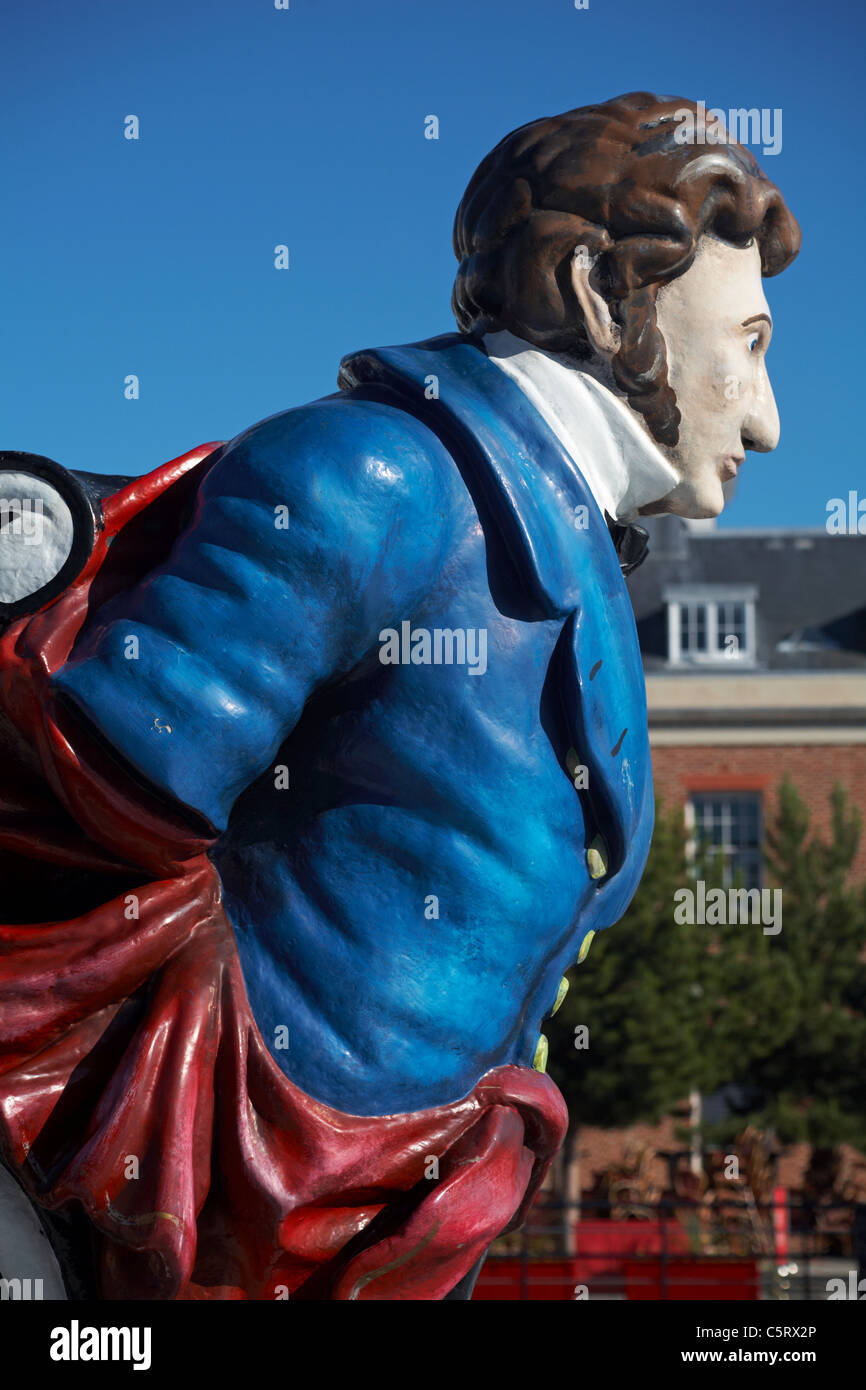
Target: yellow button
x=560, y=995
x=584, y=947
x=539, y=1061
x=596, y=858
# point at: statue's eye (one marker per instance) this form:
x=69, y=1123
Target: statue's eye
x=753, y=342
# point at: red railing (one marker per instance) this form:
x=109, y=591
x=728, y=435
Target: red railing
x=668, y=1251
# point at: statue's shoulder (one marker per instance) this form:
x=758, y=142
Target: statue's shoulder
x=341, y=447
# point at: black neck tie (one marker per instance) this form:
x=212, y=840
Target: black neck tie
x=630, y=542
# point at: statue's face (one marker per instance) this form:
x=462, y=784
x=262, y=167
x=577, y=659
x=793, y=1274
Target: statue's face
x=716, y=325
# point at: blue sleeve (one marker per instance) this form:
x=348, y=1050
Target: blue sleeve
x=249, y=616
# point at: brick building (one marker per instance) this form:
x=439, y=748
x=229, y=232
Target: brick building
x=754, y=648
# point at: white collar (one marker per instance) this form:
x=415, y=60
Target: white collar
x=622, y=466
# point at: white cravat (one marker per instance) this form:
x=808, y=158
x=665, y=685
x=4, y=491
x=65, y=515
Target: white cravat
x=622, y=466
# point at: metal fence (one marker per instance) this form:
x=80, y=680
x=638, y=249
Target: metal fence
x=733, y=1249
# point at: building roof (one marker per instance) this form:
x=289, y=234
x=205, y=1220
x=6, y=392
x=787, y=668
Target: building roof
x=809, y=589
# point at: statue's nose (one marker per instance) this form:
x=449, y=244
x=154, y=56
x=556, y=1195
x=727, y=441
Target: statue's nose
x=761, y=428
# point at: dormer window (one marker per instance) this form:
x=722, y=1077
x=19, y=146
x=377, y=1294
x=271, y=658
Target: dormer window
x=708, y=625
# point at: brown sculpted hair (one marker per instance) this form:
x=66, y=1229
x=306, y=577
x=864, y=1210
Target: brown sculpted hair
x=611, y=178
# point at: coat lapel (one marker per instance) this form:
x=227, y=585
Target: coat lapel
x=541, y=521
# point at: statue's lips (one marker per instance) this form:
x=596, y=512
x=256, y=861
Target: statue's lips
x=730, y=466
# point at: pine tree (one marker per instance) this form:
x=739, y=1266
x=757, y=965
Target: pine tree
x=811, y=1085
x=776, y=1021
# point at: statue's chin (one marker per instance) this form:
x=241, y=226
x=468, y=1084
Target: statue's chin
x=696, y=503
x=701, y=511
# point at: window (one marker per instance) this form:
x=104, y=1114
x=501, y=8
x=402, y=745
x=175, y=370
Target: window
x=728, y=826
x=693, y=629
x=708, y=625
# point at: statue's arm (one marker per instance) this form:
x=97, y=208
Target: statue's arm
x=313, y=531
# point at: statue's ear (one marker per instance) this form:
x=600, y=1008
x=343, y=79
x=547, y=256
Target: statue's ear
x=48, y=525
x=603, y=333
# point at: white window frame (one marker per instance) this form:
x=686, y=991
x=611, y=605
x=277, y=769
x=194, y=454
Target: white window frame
x=679, y=597
x=728, y=848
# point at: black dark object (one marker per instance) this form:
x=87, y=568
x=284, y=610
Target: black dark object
x=630, y=542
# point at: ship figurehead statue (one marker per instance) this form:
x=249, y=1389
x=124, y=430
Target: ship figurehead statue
x=325, y=749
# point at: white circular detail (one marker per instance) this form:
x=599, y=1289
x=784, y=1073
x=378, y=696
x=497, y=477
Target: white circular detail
x=36, y=534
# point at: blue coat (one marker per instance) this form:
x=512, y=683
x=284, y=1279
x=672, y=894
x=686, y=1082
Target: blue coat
x=406, y=905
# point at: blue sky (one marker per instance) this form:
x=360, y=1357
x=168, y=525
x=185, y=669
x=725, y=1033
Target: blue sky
x=306, y=127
